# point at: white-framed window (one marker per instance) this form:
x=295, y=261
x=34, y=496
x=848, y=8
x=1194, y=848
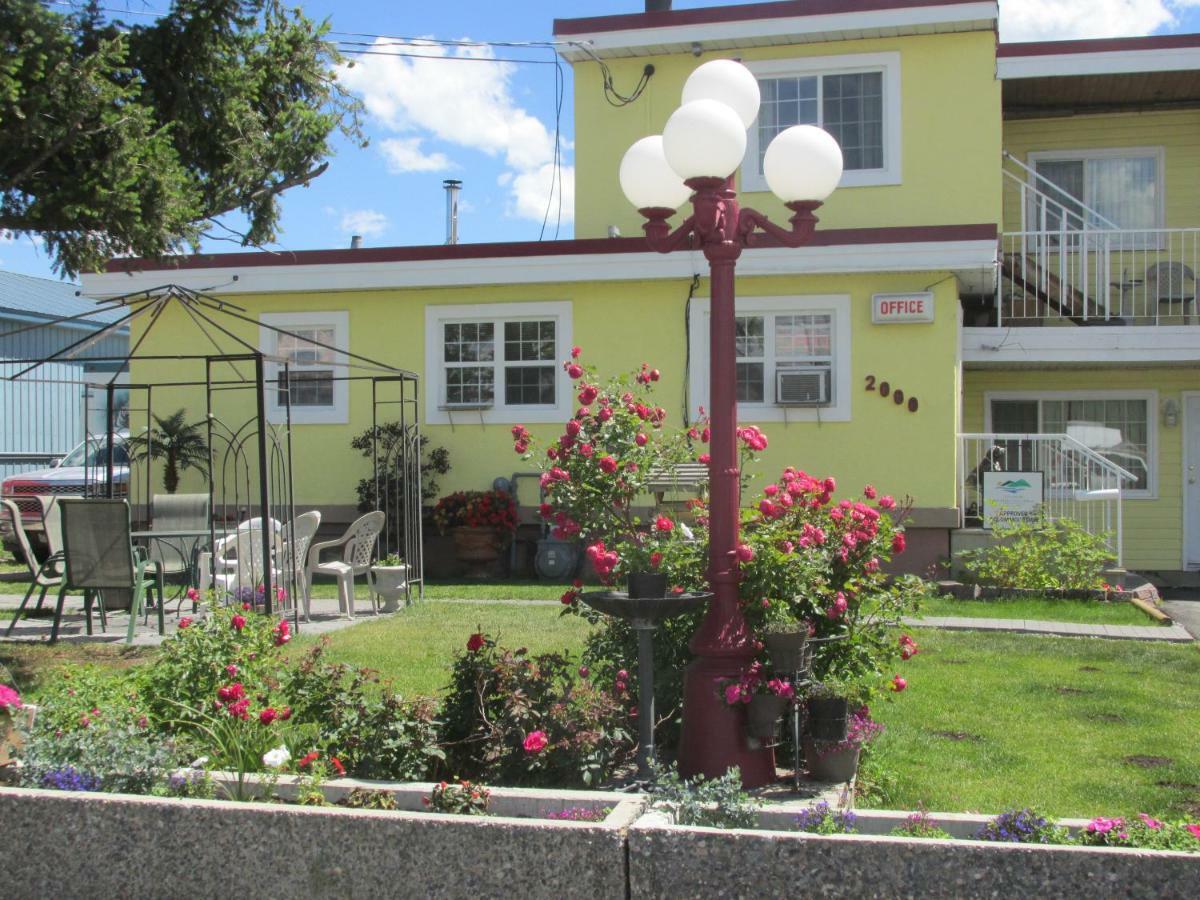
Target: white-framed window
x=498, y=361
x=855, y=98
x=1121, y=426
x=808, y=334
x=316, y=374
x=1123, y=186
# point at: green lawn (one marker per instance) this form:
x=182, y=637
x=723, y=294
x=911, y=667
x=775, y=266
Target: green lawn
x=1089, y=612
x=415, y=648
x=1074, y=726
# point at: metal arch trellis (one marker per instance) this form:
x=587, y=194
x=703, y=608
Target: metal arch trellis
x=249, y=457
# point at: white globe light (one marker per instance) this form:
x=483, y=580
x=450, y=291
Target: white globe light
x=646, y=178
x=704, y=139
x=729, y=82
x=804, y=162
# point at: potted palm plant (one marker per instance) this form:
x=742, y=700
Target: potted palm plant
x=179, y=445
x=389, y=579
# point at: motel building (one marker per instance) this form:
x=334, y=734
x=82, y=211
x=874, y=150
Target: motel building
x=1001, y=290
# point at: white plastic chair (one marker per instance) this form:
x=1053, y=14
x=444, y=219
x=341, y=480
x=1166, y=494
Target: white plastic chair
x=292, y=563
x=236, y=561
x=357, y=546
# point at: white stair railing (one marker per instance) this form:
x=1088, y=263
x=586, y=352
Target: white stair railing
x=1078, y=482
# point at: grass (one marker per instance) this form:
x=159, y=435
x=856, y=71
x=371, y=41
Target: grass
x=1073, y=726
x=414, y=649
x=1088, y=612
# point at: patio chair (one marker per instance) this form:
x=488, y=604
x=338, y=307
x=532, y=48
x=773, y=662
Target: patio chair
x=292, y=563
x=357, y=546
x=43, y=575
x=237, y=563
x=1167, y=282
x=177, y=512
x=99, y=555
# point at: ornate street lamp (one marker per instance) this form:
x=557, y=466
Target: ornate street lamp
x=702, y=144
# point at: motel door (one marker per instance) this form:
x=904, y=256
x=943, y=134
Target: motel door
x=1191, y=481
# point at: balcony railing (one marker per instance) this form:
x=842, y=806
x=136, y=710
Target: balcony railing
x=1077, y=482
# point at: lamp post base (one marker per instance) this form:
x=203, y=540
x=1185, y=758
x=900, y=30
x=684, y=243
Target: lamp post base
x=714, y=733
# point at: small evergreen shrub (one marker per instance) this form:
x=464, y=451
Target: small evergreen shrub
x=1040, y=554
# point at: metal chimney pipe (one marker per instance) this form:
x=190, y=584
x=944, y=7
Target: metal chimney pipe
x=355, y=241
x=452, y=186
x=658, y=6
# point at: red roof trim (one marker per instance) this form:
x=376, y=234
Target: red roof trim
x=823, y=238
x=717, y=14
x=1100, y=45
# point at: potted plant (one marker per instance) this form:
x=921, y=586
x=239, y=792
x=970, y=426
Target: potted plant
x=389, y=579
x=828, y=712
x=837, y=761
x=482, y=523
x=765, y=700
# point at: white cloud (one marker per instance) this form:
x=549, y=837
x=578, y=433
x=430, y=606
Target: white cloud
x=367, y=222
x=406, y=155
x=1043, y=20
x=468, y=104
x=531, y=191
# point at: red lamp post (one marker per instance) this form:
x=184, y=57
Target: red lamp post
x=803, y=164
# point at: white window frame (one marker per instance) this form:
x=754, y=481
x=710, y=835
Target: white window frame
x=1150, y=492
x=436, y=412
x=339, y=320
x=838, y=305
x=887, y=63
x=1159, y=154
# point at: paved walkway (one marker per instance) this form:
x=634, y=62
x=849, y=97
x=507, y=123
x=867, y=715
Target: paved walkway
x=1185, y=612
x=1170, y=633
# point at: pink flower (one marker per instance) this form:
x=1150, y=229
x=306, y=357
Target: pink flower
x=231, y=670
x=588, y=393
x=869, y=492
x=535, y=742
x=704, y=458
x=573, y=427
x=899, y=543
x=838, y=608
x=771, y=490
x=283, y=633
x=608, y=464
x=887, y=502
x=1152, y=824
x=232, y=692
x=185, y=622
x=238, y=622
x=586, y=451
x=605, y=414
x=193, y=594
x=1194, y=830
x=662, y=523
x=744, y=553
x=733, y=694
x=575, y=351
x=656, y=559
x=240, y=709
x=9, y=698
x=583, y=671
x=574, y=370
x=898, y=684
x=640, y=439
x=475, y=642
x=267, y=716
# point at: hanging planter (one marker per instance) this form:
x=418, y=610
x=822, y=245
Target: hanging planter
x=646, y=585
x=827, y=718
x=763, y=713
x=789, y=650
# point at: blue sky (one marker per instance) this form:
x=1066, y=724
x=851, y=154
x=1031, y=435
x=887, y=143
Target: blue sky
x=493, y=125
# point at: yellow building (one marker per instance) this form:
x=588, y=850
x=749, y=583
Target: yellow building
x=998, y=202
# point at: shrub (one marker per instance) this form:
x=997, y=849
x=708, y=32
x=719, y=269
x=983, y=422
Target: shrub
x=114, y=756
x=463, y=799
x=1142, y=831
x=920, y=825
x=372, y=730
x=716, y=803
x=516, y=719
x=365, y=798
x=820, y=819
x=1023, y=826
x=1041, y=553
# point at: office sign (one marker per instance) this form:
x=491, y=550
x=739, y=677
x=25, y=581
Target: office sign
x=902, y=309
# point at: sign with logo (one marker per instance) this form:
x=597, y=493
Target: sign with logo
x=902, y=309
x=1011, y=497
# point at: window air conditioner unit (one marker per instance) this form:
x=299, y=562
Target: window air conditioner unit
x=809, y=386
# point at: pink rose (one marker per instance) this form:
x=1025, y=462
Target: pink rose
x=887, y=502
x=662, y=523
x=575, y=371
x=898, y=684
x=575, y=351
x=267, y=716
x=733, y=694
x=1194, y=830
x=535, y=742
x=640, y=439
x=608, y=464
x=899, y=542
x=744, y=553
x=185, y=622
x=193, y=594
x=9, y=698
x=238, y=622
x=656, y=559
x=869, y=492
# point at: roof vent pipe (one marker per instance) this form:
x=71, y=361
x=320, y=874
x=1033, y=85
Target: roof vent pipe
x=658, y=6
x=355, y=241
x=452, y=186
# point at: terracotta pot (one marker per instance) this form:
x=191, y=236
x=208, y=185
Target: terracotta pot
x=476, y=545
x=828, y=718
x=763, y=714
x=647, y=585
x=834, y=766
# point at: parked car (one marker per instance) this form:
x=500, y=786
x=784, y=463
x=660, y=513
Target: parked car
x=81, y=473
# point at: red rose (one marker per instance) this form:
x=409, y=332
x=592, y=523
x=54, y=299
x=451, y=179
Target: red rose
x=337, y=765
x=608, y=464
x=475, y=642
x=238, y=622
x=267, y=716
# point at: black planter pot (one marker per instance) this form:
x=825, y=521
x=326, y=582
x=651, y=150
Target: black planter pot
x=834, y=766
x=827, y=718
x=763, y=714
x=647, y=585
x=789, y=650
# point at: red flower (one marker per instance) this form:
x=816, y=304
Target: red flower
x=185, y=622
x=704, y=458
x=575, y=351
x=656, y=559
x=574, y=370
x=232, y=692
x=640, y=439
x=283, y=633
x=588, y=393
x=1194, y=830
x=285, y=714
x=475, y=642
x=608, y=464
x=869, y=492
x=307, y=760
x=744, y=553
x=662, y=523
x=238, y=622
x=899, y=543
x=267, y=716
x=887, y=502
x=337, y=765
x=535, y=742
x=239, y=710
x=898, y=684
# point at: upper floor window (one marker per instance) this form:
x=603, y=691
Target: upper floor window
x=854, y=98
x=500, y=361
x=315, y=383
x=1102, y=188
x=792, y=358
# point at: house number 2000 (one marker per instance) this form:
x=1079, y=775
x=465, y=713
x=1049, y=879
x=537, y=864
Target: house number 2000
x=886, y=390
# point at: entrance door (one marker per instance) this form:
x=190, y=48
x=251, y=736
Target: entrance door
x=1191, y=480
